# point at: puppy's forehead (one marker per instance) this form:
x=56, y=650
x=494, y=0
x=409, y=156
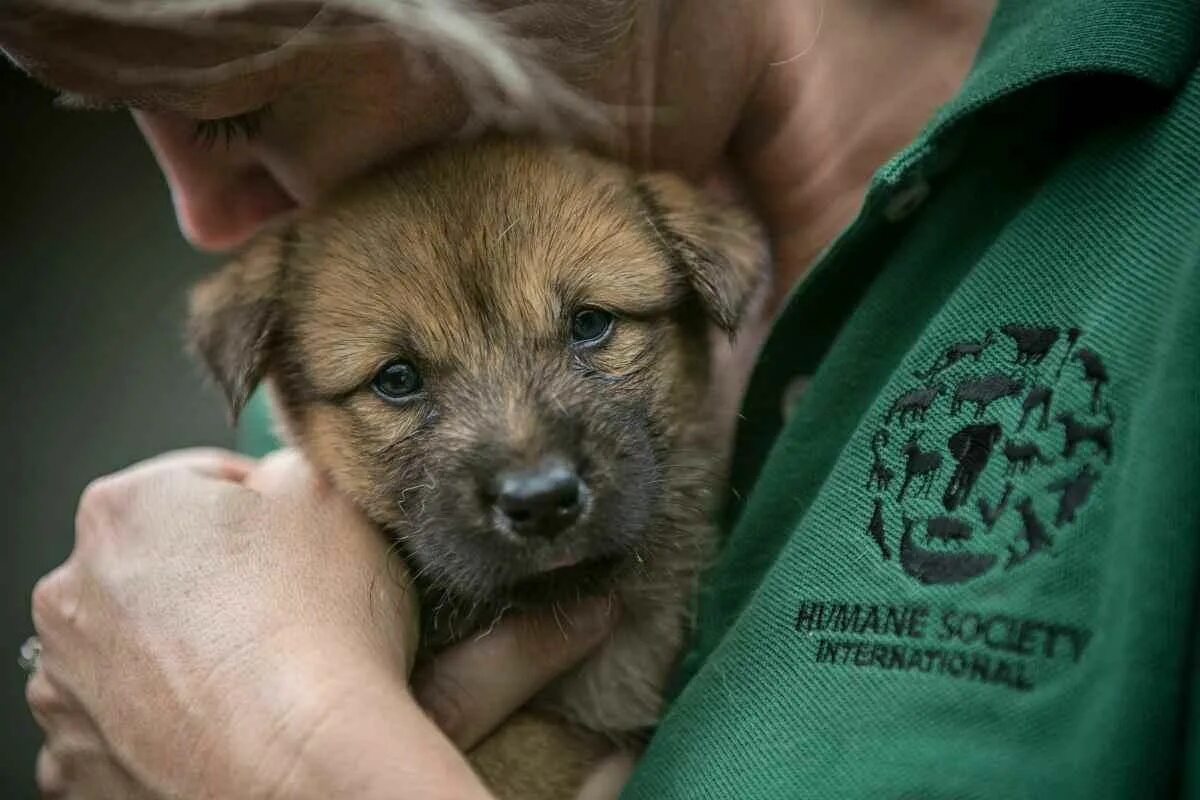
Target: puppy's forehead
x=465, y=248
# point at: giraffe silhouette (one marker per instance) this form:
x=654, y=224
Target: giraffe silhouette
x=881, y=476
x=877, y=532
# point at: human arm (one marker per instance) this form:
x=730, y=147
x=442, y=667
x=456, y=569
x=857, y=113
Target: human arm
x=229, y=630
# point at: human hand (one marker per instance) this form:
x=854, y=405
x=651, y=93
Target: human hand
x=473, y=688
x=198, y=588
x=216, y=620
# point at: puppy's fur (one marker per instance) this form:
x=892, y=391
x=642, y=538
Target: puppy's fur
x=470, y=263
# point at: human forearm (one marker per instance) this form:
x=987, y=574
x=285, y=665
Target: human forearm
x=375, y=742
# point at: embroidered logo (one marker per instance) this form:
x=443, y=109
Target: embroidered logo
x=980, y=466
x=985, y=460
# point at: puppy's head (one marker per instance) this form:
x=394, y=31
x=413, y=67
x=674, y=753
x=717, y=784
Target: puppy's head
x=500, y=352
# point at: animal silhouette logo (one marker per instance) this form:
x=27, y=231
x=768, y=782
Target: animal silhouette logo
x=947, y=529
x=955, y=353
x=1033, y=344
x=1075, y=492
x=937, y=567
x=919, y=464
x=881, y=475
x=998, y=445
x=1077, y=433
x=914, y=404
x=1038, y=399
x=1032, y=539
x=983, y=392
x=1023, y=455
x=876, y=529
x=988, y=513
x=971, y=447
x=1094, y=373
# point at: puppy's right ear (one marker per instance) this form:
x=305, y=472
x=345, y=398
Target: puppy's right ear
x=233, y=317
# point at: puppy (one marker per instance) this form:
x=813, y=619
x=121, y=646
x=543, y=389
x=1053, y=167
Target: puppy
x=502, y=352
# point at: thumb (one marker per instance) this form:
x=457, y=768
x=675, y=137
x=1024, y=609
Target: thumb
x=475, y=685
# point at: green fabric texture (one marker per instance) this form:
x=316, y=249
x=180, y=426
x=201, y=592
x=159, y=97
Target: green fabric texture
x=964, y=565
x=255, y=433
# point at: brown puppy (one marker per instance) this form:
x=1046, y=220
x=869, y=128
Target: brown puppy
x=501, y=351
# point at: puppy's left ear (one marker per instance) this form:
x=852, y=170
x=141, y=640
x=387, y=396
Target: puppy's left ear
x=233, y=317
x=721, y=249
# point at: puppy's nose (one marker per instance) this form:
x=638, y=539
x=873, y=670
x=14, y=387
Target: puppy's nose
x=542, y=501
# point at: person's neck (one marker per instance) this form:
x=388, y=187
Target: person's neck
x=800, y=101
x=841, y=86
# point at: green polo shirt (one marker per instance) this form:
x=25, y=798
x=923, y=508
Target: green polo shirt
x=963, y=564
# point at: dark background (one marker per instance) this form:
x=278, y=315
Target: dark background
x=93, y=376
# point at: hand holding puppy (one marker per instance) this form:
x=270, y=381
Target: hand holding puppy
x=226, y=629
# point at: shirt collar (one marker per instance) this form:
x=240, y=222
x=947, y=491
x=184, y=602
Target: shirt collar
x=1156, y=42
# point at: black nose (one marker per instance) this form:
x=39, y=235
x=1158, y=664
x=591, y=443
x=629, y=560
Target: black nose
x=542, y=501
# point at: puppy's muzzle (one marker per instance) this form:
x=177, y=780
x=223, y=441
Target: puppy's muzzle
x=538, y=502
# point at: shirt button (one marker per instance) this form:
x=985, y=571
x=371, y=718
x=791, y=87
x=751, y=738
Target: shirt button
x=943, y=156
x=907, y=200
x=791, y=395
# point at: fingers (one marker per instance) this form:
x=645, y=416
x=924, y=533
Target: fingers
x=283, y=472
x=327, y=523
x=55, y=600
x=475, y=685
x=211, y=462
x=608, y=779
x=49, y=775
x=293, y=486
x=43, y=701
x=82, y=768
x=155, y=489
x=288, y=474
x=73, y=745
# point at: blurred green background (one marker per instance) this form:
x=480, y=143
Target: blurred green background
x=93, y=275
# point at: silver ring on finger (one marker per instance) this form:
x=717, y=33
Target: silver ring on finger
x=30, y=656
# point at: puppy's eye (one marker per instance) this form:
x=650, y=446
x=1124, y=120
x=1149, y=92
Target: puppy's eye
x=396, y=380
x=590, y=326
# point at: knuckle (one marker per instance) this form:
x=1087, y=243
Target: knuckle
x=204, y=460
x=46, y=601
x=201, y=453
x=43, y=699
x=102, y=500
x=103, y=493
x=42, y=600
